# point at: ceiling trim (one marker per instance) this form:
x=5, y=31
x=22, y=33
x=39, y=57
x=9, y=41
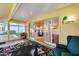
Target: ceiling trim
x=14, y=7
x=19, y=21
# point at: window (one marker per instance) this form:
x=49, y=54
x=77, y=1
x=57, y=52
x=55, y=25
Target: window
x=3, y=28
x=16, y=28
x=3, y=31
x=21, y=28
x=13, y=29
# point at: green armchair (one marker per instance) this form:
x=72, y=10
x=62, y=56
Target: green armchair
x=71, y=49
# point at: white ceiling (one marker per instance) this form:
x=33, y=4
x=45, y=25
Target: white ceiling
x=27, y=11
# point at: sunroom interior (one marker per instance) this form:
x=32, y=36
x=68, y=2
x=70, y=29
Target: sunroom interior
x=45, y=23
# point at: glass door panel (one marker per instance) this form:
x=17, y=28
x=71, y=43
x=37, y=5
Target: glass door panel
x=51, y=30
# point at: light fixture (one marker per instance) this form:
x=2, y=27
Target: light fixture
x=68, y=19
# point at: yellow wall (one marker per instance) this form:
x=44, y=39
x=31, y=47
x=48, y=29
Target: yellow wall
x=66, y=29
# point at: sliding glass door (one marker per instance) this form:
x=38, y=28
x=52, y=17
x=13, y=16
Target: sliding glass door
x=51, y=30
x=47, y=30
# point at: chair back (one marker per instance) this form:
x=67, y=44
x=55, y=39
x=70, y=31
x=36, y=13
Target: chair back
x=68, y=39
x=73, y=44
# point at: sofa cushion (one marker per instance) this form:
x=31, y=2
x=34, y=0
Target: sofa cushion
x=59, y=51
x=73, y=45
